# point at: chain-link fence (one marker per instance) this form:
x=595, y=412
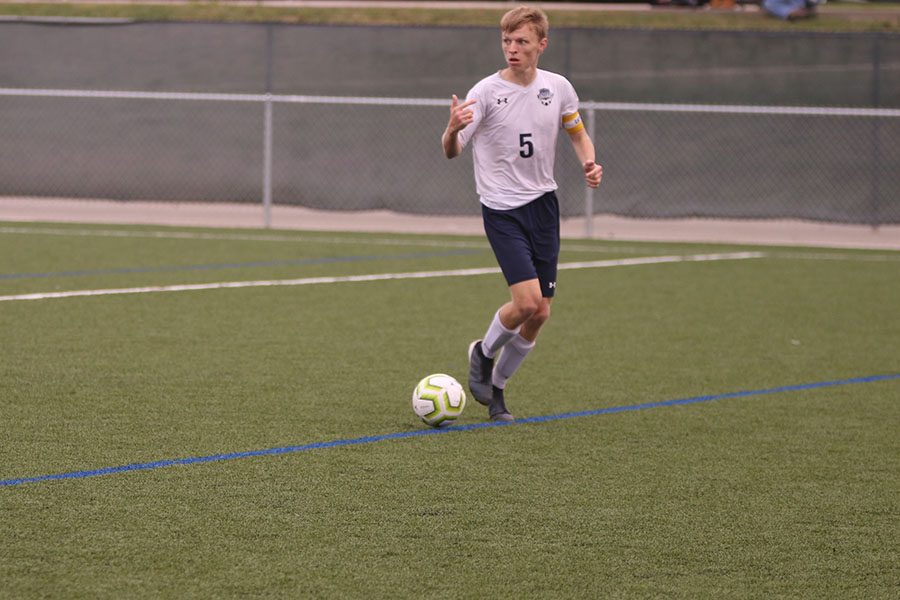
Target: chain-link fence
x=213, y=118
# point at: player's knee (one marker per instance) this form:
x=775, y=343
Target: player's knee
x=528, y=306
x=542, y=314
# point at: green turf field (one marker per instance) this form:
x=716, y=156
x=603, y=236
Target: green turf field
x=790, y=490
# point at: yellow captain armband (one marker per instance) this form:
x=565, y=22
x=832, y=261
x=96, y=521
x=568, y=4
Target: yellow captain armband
x=573, y=123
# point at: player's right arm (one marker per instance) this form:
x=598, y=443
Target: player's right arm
x=460, y=117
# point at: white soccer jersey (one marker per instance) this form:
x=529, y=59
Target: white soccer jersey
x=514, y=134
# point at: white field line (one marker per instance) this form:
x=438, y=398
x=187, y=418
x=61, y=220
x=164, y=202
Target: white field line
x=624, y=262
x=836, y=256
x=567, y=246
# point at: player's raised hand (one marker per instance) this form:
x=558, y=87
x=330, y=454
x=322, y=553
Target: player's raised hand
x=460, y=114
x=593, y=173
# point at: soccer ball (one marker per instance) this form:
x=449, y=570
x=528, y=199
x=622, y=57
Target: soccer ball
x=438, y=400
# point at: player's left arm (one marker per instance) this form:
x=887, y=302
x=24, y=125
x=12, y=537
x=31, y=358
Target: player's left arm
x=584, y=148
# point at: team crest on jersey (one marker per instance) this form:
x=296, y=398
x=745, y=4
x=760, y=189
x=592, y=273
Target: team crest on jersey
x=545, y=96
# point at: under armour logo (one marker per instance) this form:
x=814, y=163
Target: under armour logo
x=502, y=100
x=552, y=285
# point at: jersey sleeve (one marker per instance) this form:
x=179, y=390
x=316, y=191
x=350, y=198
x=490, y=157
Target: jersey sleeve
x=571, y=120
x=477, y=114
x=570, y=99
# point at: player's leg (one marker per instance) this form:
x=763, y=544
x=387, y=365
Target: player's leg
x=525, y=303
x=511, y=247
x=526, y=308
x=519, y=345
x=535, y=296
x=530, y=328
x=526, y=244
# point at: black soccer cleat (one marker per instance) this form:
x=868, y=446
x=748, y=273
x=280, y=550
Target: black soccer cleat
x=480, y=370
x=497, y=408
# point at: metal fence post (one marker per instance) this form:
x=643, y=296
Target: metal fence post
x=589, y=193
x=875, y=202
x=267, y=132
x=267, y=162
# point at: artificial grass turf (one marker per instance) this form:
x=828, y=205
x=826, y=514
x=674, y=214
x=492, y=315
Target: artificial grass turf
x=743, y=499
x=788, y=494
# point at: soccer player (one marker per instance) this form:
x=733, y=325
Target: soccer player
x=512, y=119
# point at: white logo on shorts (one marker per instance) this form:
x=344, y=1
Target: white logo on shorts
x=552, y=285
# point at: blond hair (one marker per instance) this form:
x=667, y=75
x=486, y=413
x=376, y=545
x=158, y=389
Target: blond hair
x=525, y=15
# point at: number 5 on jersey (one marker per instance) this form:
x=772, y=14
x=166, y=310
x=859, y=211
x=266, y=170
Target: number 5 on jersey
x=526, y=145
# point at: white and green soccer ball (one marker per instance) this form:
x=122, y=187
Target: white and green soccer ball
x=438, y=400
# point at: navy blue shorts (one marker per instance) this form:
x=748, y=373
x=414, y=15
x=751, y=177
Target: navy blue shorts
x=525, y=241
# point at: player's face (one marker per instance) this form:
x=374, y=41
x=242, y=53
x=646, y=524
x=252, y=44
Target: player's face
x=522, y=48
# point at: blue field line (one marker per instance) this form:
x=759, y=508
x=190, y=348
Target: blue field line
x=243, y=265
x=371, y=439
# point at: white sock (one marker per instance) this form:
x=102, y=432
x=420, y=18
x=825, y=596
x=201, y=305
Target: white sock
x=510, y=360
x=496, y=337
